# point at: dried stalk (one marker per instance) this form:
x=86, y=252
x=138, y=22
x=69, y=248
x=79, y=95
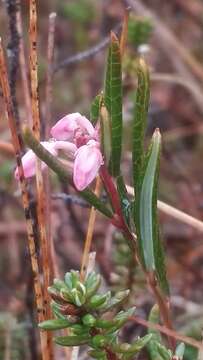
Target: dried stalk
x=46, y=129
x=16, y=139
x=39, y=179
x=23, y=67
x=90, y=230
x=175, y=213
x=168, y=332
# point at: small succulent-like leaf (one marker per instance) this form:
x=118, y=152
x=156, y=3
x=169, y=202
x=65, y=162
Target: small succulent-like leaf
x=97, y=301
x=119, y=298
x=98, y=354
x=180, y=349
x=55, y=324
x=89, y=320
x=113, y=102
x=92, y=284
x=56, y=311
x=58, y=284
x=129, y=351
x=122, y=317
x=78, y=298
x=95, y=106
x=75, y=340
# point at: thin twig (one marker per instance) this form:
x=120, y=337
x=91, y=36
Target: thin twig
x=49, y=72
x=48, y=354
x=25, y=197
x=13, y=53
x=46, y=130
x=87, y=53
x=168, y=332
x=175, y=213
x=90, y=230
x=180, y=80
x=6, y=148
x=124, y=33
x=23, y=68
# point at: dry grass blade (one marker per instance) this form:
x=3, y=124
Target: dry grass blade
x=45, y=251
x=90, y=230
x=175, y=213
x=25, y=197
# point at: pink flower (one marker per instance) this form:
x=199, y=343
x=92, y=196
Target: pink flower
x=67, y=127
x=86, y=165
x=29, y=159
x=83, y=145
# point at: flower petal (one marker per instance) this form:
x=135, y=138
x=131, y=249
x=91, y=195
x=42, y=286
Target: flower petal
x=65, y=128
x=29, y=160
x=86, y=165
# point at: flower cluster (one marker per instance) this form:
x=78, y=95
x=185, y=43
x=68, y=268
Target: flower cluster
x=75, y=136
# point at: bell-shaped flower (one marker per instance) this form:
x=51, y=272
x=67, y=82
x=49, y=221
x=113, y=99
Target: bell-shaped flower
x=86, y=165
x=29, y=159
x=66, y=128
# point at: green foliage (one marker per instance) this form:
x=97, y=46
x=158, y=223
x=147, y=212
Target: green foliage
x=139, y=30
x=95, y=108
x=79, y=307
x=145, y=175
x=113, y=102
x=80, y=11
x=16, y=333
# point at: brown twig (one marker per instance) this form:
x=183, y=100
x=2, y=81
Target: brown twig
x=90, y=230
x=175, y=213
x=46, y=129
x=49, y=73
x=25, y=197
x=124, y=32
x=168, y=332
x=23, y=68
x=87, y=53
x=6, y=148
x=48, y=354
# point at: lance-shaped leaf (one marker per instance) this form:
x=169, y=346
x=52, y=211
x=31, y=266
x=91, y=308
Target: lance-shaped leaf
x=95, y=107
x=139, y=120
x=54, y=164
x=146, y=218
x=113, y=102
x=75, y=340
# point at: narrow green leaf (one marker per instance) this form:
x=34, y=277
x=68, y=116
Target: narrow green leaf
x=124, y=199
x=95, y=107
x=113, y=102
x=150, y=247
x=54, y=164
x=72, y=340
x=55, y=324
x=105, y=134
x=139, y=120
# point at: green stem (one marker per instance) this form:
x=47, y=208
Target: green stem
x=54, y=164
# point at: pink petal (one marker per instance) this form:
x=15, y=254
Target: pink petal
x=29, y=160
x=65, y=128
x=86, y=165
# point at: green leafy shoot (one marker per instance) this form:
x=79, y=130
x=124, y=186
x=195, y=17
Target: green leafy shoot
x=139, y=120
x=150, y=247
x=113, y=102
x=95, y=108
